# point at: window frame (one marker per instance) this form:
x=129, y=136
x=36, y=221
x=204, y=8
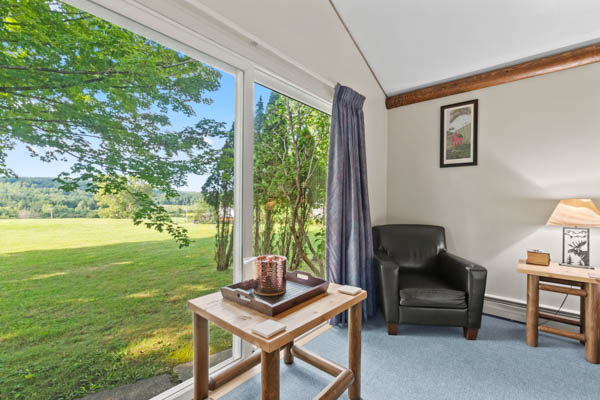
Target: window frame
x=289, y=89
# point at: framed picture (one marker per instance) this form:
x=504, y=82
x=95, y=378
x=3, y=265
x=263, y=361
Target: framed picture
x=458, y=134
x=576, y=246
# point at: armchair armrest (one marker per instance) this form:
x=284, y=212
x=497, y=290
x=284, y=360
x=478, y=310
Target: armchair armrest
x=387, y=273
x=470, y=278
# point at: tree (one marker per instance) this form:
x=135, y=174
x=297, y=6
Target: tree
x=203, y=212
x=218, y=194
x=75, y=87
x=305, y=138
x=41, y=197
x=290, y=164
x=259, y=120
x=123, y=204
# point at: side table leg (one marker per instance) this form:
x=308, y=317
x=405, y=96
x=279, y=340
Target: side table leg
x=201, y=351
x=533, y=309
x=288, y=357
x=269, y=375
x=582, y=313
x=591, y=323
x=354, y=348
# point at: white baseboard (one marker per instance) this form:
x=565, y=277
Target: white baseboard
x=514, y=310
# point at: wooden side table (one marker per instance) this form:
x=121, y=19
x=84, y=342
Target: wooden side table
x=553, y=278
x=239, y=320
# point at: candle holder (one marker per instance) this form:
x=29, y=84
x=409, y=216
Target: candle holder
x=269, y=273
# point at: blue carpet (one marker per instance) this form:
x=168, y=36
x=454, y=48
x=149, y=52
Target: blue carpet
x=425, y=362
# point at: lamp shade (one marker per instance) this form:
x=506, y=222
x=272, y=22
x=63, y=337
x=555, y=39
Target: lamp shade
x=575, y=212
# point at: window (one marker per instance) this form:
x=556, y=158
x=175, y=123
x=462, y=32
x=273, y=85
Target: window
x=148, y=129
x=291, y=142
x=102, y=129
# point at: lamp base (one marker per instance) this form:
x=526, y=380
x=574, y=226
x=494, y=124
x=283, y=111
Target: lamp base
x=576, y=266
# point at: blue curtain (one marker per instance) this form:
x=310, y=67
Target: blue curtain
x=349, y=253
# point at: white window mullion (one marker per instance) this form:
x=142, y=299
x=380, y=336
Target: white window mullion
x=243, y=191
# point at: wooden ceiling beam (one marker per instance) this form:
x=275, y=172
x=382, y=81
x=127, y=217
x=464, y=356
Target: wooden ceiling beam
x=528, y=69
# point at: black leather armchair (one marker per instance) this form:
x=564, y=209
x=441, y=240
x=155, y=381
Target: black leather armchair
x=419, y=282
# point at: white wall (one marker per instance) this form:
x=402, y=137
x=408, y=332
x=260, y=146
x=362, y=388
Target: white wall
x=539, y=141
x=310, y=32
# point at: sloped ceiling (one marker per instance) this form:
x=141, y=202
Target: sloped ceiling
x=416, y=43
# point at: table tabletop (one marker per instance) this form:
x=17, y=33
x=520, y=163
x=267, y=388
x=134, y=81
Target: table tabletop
x=555, y=270
x=240, y=320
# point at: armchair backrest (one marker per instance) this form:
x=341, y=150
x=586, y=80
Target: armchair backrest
x=410, y=246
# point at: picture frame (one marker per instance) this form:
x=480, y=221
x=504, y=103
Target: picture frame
x=458, y=134
x=576, y=246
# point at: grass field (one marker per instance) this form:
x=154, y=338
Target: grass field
x=89, y=304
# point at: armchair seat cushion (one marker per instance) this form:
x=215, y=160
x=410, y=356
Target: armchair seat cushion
x=428, y=297
x=421, y=290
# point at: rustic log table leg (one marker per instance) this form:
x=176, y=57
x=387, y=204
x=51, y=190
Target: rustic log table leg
x=201, y=353
x=232, y=371
x=533, y=309
x=582, y=314
x=269, y=371
x=354, y=348
x=591, y=323
x=288, y=357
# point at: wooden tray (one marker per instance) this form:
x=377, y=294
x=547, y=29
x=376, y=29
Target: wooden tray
x=300, y=287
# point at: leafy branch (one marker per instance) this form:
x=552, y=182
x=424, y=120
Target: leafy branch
x=81, y=89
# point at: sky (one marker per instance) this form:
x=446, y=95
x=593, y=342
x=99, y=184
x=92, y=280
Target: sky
x=222, y=109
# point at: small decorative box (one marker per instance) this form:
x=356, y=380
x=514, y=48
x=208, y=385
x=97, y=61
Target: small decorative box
x=537, y=257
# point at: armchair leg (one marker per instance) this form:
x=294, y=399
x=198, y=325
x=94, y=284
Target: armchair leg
x=392, y=329
x=470, y=333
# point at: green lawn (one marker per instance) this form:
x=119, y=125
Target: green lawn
x=89, y=304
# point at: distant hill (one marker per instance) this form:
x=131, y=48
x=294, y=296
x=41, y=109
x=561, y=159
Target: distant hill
x=42, y=198
x=36, y=182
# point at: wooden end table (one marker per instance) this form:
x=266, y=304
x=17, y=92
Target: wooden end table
x=549, y=278
x=239, y=320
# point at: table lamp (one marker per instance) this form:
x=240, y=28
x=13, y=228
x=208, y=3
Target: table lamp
x=576, y=216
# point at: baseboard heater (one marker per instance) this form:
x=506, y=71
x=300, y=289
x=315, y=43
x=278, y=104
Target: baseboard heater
x=515, y=310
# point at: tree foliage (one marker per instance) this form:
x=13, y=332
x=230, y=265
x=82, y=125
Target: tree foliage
x=218, y=193
x=290, y=167
x=75, y=87
x=123, y=204
x=290, y=182
x=42, y=198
